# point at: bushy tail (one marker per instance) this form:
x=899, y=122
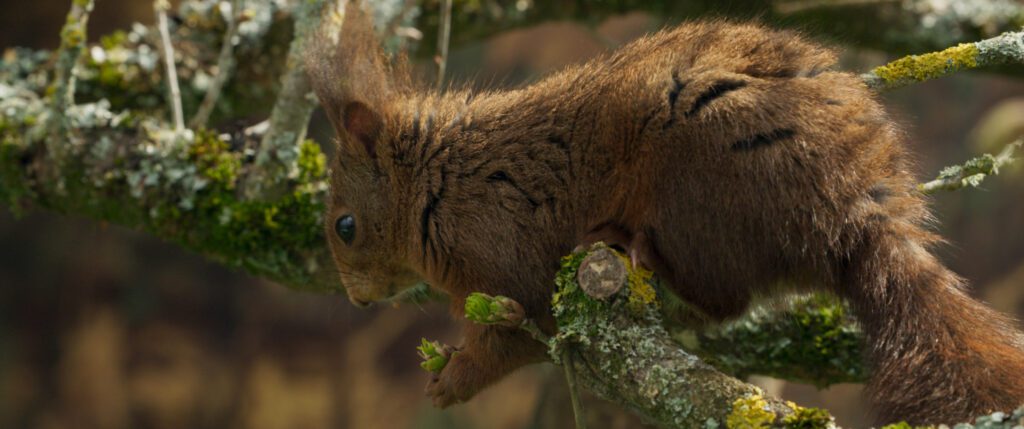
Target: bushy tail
x=938, y=355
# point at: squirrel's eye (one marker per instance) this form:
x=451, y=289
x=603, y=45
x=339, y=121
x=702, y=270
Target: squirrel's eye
x=345, y=227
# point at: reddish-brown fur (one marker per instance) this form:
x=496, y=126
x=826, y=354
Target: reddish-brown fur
x=729, y=158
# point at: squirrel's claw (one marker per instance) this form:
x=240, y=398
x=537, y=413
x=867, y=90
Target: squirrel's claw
x=634, y=256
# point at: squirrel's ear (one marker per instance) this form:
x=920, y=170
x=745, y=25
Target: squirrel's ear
x=363, y=125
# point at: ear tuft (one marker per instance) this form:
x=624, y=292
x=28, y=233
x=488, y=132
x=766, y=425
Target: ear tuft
x=364, y=125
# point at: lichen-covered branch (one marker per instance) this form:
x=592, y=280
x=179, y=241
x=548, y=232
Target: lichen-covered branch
x=278, y=152
x=609, y=321
x=179, y=186
x=898, y=26
x=621, y=352
x=127, y=166
x=225, y=66
x=972, y=172
x=62, y=89
x=1007, y=48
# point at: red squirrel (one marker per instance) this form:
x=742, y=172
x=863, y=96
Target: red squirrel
x=728, y=158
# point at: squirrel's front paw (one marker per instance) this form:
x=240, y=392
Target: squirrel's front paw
x=454, y=384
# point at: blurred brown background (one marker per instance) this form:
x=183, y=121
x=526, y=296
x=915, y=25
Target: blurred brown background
x=106, y=328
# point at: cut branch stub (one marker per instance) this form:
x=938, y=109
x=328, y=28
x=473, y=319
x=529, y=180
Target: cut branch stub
x=601, y=273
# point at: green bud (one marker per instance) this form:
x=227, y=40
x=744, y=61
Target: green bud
x=494, y=310
x=434, y=354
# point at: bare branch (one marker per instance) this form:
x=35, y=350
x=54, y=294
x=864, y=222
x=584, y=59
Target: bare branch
x=225, y=66
x=444, y=41
x=167, y=48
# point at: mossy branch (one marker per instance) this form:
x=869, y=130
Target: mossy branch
x=127, y=165
x=621, y=352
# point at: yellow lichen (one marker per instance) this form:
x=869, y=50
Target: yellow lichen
x=928, y=66
x=807, y=418
x=641, y=292
x=750, y=412
x=905, y=425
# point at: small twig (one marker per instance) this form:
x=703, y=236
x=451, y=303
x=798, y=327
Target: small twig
x=574, y=389
x=72, y=43
x=161, y=7
x=443, y=39
x=972, y=172
x=225, y=66
x=531, y=327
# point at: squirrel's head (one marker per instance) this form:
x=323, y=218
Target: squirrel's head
x=366, y=218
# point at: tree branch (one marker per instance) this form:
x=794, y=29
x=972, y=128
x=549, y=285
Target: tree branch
x=130, y=168
x=278, y=152
x=1007, y=48
x=897, y=27
x=225, y=66
x=62, y=89
x=167, y=49
x=609, y=322
x=972, y=172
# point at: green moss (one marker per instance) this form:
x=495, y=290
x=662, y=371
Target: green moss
x=569, y=303
x=72, y=35
x=214, y=159
x=312, y=162
x=816, y=340
x=13, y=187
x=751, y=412
x=928, y=66
x=905, y=425
x=113, y=40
